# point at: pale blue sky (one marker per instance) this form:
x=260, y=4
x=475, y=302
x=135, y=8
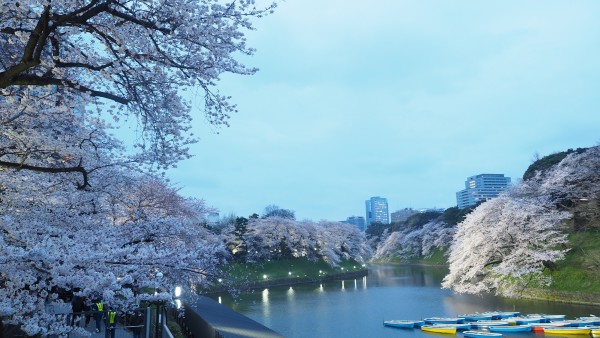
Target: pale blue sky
x=399, y=99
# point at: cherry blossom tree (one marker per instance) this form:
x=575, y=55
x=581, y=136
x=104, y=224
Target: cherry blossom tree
x=83, y=242
x=415, y=243
x=77, y=212
x=503, y=246
x=68, y=63
x=283, y=238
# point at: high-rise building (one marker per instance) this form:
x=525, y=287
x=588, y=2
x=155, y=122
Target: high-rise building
x=377, y=210
x=357, y=221
x=480, y=188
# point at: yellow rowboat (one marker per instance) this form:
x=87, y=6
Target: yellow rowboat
x=595, y=331
x=567, y=330
x=439, y=329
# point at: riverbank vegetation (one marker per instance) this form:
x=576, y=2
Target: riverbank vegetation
x=245, y=276
x=541, y=235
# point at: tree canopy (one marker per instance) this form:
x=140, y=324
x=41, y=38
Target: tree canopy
x=83, y=211
x=71, y=68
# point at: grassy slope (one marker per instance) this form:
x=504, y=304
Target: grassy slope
x=580, y=271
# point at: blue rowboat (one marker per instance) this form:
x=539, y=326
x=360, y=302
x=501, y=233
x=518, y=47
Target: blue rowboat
x=480, y=334
x=524, y=320
x=507, y=314
x=405, y=324
x=444, y=320
x=579, y=322
x=510, y=328
x=554, y=317
x=482, y=324
x=473, y=317
x=459, y=327
x=591, y=318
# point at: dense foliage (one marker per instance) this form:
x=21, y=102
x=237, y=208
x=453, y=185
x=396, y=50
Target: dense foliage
x=123, y=234
x=547, y=162
x=412, y=243
x=261, y=239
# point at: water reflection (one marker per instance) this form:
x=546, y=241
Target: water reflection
x=290, y=294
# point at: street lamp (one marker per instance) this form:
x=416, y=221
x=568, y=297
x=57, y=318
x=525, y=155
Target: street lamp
x=159, y=276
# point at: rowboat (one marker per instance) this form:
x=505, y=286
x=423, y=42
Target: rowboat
x=485, y=323
x=524, y=320
x=444, y=320
x=568, y=330
x=479, y=334
x=591, y=318
x=553, y=317
x=439, y=329
x=459, y=326
x=507, y=314
x=473, y=317
x=510, y=328
x=405, y=324
x=595, y=331
x=578, y=322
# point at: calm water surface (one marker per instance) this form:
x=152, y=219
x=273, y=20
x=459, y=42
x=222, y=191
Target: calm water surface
x=357, y=308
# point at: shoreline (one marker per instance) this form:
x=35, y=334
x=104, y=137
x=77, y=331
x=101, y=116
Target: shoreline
x=291, y=281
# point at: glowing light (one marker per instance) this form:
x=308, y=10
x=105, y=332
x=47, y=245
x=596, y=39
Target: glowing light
x=177, y=291
x=265, y=276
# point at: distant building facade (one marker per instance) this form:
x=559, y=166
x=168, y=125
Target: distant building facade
x=357, y=221
x=402, y=215
x=212, y=218
x=481, y=188
x=377, y=210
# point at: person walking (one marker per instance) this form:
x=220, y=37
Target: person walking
x=78, y=306
x=111, y=323
x=98, y=308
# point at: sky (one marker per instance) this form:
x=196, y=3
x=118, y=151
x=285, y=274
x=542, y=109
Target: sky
x=398, y=99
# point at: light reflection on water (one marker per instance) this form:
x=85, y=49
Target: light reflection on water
x=336, y=309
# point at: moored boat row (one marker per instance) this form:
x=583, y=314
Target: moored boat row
x=493, y=324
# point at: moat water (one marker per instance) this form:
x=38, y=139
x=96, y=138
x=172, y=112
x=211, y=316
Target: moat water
x=358, y=307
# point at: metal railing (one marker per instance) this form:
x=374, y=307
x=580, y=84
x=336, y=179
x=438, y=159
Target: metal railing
x=127, y=325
